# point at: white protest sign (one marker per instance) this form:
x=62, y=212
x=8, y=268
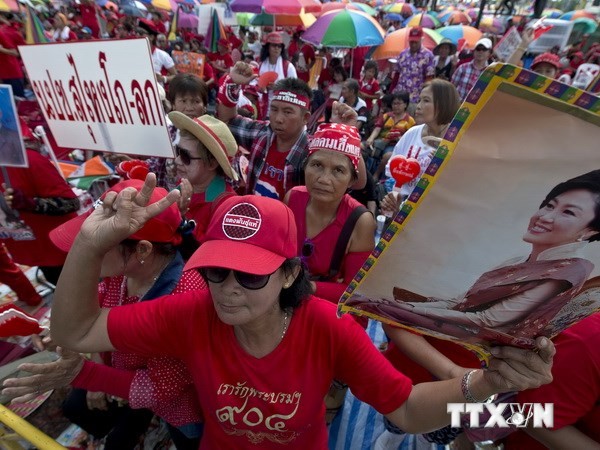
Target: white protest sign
x=508, y=44
x=99, y=95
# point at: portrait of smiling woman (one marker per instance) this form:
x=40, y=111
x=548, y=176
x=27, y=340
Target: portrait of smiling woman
x=517, y=301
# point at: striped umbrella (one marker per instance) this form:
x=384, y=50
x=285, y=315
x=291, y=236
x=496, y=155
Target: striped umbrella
x=572, y=15
x=397, y=41
x=457, y=18
x=215, y=31
x=491, y=24
x=457, y=32
x=9, y=6
x=423, y=20
x=333, y=6
x=406, y=9
x=276, y=6
x=445, y=13
x=304, y=20
x=472, y=13
x=34, y=30
x=344, y=29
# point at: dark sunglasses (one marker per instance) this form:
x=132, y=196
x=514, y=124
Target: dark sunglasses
x=481, y=49
x=185, y=156
x=246, y=280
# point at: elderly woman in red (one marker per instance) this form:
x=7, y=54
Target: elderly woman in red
x=141, y=268
x=335, y=232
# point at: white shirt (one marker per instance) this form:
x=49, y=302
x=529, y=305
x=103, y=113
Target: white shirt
x=161, y=59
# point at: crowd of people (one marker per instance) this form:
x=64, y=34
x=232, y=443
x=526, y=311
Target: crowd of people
x=220, y=264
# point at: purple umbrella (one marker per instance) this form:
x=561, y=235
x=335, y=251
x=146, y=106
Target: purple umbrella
x=187, y=20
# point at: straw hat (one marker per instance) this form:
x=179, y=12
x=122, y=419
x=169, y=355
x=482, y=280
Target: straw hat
x=215, y=136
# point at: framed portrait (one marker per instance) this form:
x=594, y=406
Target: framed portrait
x=476, y=253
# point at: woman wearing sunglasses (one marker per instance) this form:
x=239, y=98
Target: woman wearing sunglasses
x=261, y=349
x=140, y=268
x=204, y=153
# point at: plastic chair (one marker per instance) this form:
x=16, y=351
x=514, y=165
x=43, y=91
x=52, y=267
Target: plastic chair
x=585, y=75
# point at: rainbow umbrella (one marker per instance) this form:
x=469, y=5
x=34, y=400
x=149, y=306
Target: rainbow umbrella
x=304, y=20
x=472, y=13
x=445, y=13
x=363, y=7
x=34, y=30
x=397, y=41
x=215, y=31
x=572, y=15
x=406, y=9
x=276, y=6
x=587, y=26
x=344, y=29
x=9, y=6
x=457, y=18
x=552, y=13
x=490, y=24
x=243, y=19
x=457, y=32
x=422, y=20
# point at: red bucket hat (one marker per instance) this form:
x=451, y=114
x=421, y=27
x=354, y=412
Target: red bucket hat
x=251, y=234
x=161, y=228
x=274, y=38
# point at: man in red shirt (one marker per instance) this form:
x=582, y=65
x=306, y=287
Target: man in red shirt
x=221, y=61
x=302, y=55
x=10, y=66
x=89, y=18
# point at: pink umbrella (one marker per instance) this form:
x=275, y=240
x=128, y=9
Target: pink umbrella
x=276, y=6
x=490, y=24
x=187, y=20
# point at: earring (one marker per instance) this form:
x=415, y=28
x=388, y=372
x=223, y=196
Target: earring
x=286, y=285
x=142, y=262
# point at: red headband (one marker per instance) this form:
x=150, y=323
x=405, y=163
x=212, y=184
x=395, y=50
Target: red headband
x=292, y=98
x=339, y=138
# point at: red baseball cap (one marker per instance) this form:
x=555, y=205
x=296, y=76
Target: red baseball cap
x=415, y=34
x=161, y=228
x=251, y=234
x=549, y=58
x=224, y=42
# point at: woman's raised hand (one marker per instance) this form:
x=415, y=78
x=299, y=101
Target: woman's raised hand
x=120, y=215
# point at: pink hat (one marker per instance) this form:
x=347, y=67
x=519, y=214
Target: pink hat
x=415, y=34
x=549, y=58
x=274, y=38
x=251, y=234
x=161, y=228
x=339, y=138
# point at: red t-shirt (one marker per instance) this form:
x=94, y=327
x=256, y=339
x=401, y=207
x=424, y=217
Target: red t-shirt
x=267, y=402
x=270, y=183
x=89, y=18
x=370, y=87
x=575, y=390
x=225, y=59
x=41, y=179
x=10, y=66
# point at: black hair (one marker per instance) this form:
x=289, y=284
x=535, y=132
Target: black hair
x=590, y=182
x=295, y=85
x=401, y=95
x=300, y=289
x=162, y=248
x=370, y=64
x=264, y=52
x=387, y=100
x=340, y=69
x=187, y=83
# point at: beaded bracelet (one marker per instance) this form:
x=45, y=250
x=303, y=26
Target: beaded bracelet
x=465, y=384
